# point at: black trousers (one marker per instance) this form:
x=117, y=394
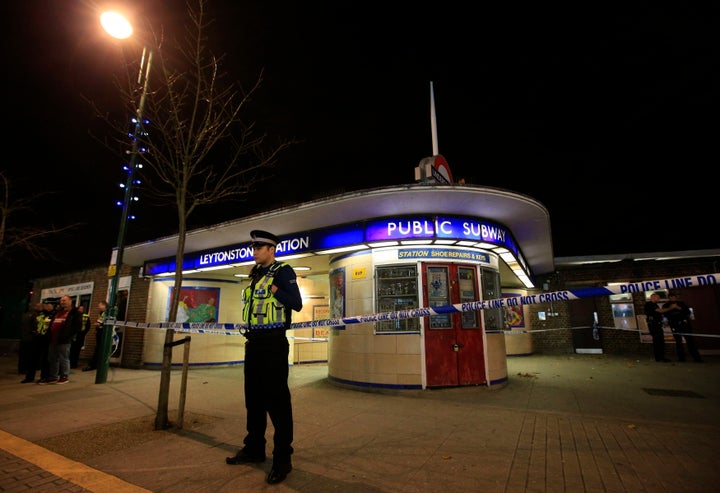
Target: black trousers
x=25, y=356
x=75, y=347
x=95, y=360
x=658, y=341
x=267, y=394
x=38, y=357
x=684, y=330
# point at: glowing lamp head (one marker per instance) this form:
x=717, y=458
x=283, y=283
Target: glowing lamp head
x=116, y=25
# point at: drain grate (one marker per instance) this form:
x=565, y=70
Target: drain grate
x=674, y=393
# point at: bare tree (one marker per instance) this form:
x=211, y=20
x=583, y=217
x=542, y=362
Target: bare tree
x=199, y=149
x=17, y=232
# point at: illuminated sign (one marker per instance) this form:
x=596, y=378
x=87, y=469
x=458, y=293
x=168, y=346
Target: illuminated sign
x=371, y=231
x=435, y=253
x=439, y=227
x=69, y=290
x=233, y=254
x=338, y=236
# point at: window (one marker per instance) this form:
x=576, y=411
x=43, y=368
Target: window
x=397, y=290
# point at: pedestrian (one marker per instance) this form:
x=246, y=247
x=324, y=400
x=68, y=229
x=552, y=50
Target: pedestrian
x=41, y=343
x=35, y=341
x=99, y=328
x=654, y=316
x=78, y=342
x=678, y=315
x=27, y=332
x=268, y=303
x=64, y=325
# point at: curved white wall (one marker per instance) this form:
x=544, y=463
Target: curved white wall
x=359, y=357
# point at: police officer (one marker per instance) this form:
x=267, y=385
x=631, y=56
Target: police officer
x=654, y=317
x=78, y=341
x=678, y=315
x=99, y=328
x=36, y=323
x=268, y=303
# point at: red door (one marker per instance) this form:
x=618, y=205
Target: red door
x=454, y=354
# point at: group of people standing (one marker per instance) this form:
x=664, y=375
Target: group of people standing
x=52, y=339
x=51, y=333
x=269, y=300
x=678, y=315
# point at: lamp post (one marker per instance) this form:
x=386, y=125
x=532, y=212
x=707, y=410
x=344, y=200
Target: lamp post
x=117, y=26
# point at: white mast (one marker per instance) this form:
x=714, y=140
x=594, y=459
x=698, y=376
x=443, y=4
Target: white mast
x=433, y=122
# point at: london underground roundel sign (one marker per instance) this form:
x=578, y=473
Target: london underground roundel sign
x=441, y=170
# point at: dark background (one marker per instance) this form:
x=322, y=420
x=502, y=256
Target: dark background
x=605, y=114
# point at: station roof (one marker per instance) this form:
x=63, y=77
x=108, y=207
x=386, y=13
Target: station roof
x=525, y=217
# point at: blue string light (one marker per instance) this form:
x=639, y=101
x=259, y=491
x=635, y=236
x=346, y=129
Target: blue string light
x=135, y=181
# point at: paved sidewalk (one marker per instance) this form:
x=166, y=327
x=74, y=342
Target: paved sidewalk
x=592, y=423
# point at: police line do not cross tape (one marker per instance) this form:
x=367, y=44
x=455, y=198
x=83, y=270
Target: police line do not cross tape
x=522, y=300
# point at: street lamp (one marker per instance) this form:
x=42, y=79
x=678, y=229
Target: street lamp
x=118, y=26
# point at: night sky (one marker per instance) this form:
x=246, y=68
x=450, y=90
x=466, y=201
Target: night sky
x=603, y=114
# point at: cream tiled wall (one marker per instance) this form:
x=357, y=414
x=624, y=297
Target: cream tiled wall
x=218, y=349
x=496, y=359
x=356, y=354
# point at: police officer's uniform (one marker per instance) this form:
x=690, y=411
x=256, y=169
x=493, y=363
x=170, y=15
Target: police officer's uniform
x=268, y=316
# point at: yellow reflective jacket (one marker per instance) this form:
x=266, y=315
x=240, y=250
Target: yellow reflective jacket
x=42, y=323
x=262, y=310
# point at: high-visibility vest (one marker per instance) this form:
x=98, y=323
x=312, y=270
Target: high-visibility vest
x=262, y=310
x=100, y=320
x=42, y=322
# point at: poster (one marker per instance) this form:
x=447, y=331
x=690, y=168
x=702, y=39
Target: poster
x=438, y=283
x=321, y=312
x=337, y=294
x=514, y=316
x=197, y=304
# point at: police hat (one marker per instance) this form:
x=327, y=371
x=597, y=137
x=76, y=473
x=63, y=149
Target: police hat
x=264, y=238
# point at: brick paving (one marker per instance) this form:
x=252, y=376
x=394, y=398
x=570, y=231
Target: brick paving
x=18, y=475
x=575, y=423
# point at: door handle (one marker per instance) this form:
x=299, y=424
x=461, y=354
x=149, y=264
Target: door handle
x=456, y=347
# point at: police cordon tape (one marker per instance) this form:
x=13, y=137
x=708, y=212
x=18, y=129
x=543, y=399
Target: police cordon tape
x=510, y=301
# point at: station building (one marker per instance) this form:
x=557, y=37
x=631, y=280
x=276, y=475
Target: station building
x=379, y=259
